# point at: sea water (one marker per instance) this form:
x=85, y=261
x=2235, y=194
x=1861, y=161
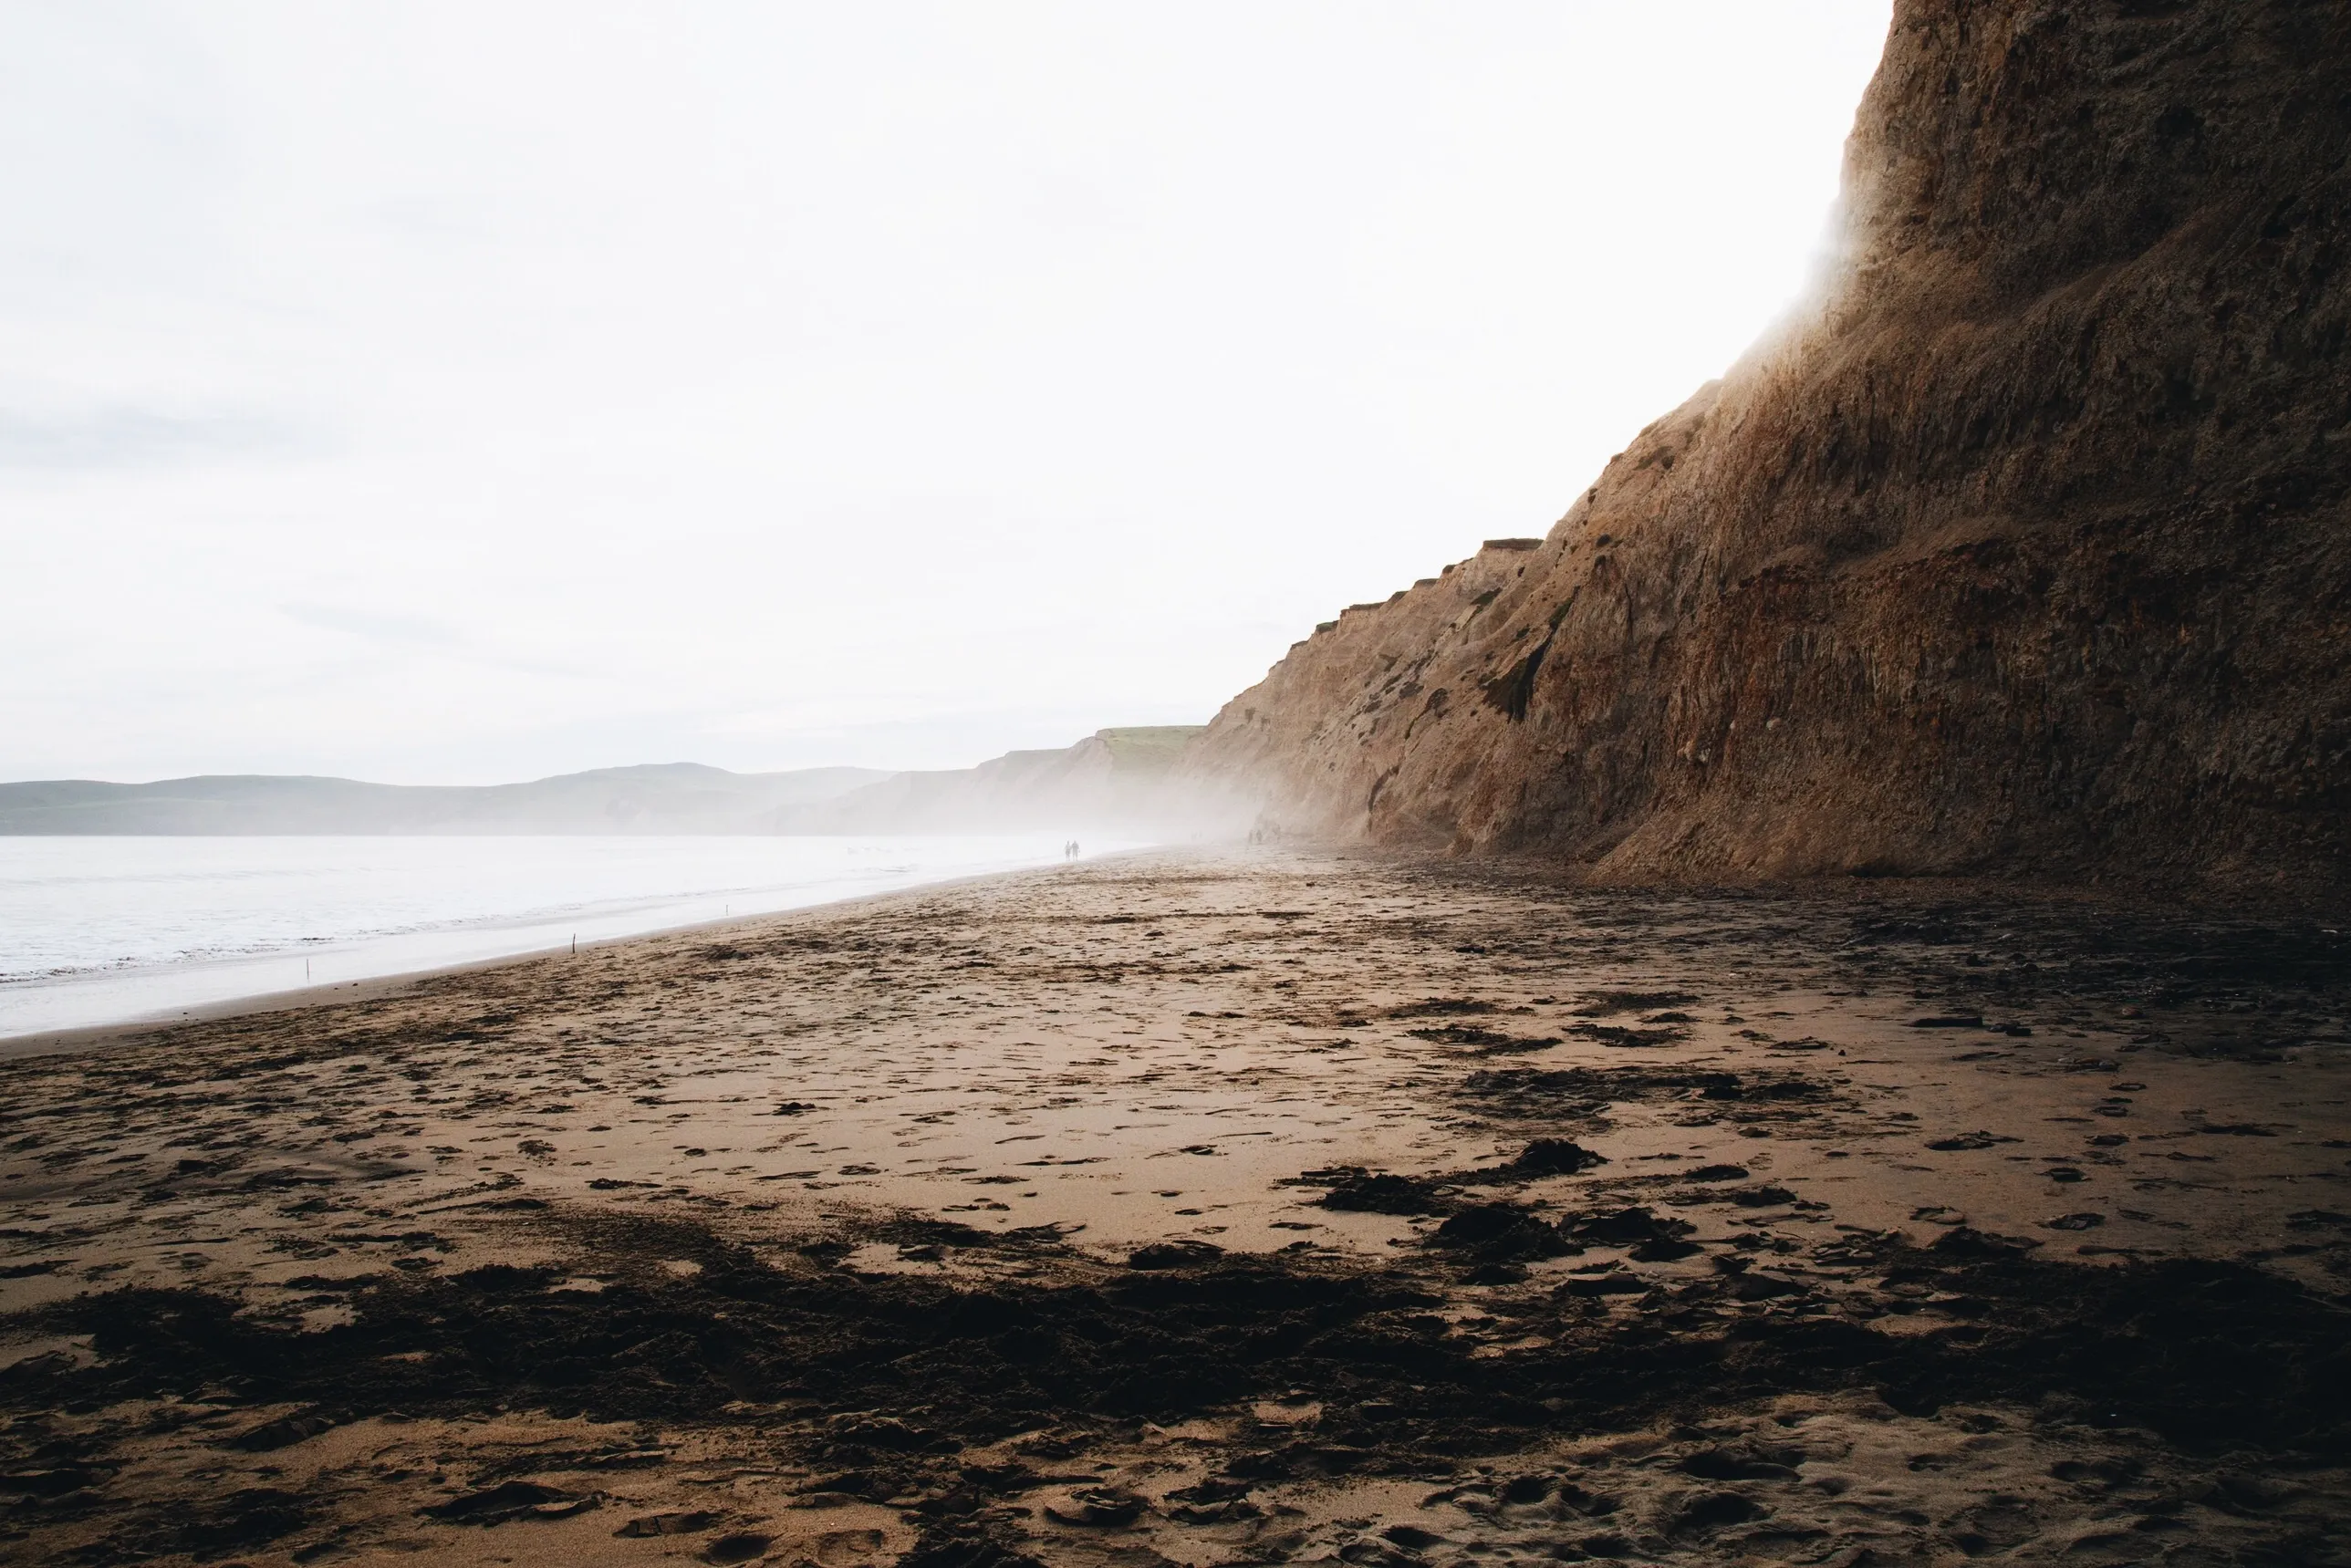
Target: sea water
x=110, y=930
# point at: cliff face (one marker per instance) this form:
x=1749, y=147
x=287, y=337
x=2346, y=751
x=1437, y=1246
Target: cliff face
x=2026, y=551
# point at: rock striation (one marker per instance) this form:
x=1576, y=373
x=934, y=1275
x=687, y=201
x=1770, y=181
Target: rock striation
x=2023, y=550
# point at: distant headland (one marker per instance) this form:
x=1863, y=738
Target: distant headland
x=1112, y=777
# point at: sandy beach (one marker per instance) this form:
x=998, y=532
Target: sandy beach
x=1209, y=1207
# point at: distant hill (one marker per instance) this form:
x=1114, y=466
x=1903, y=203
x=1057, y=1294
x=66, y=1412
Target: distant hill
x=1112, y=780
x=660, y=798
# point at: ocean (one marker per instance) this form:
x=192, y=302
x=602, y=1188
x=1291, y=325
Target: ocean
x=97, y=931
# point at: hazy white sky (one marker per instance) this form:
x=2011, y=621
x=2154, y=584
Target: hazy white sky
x=466, y=391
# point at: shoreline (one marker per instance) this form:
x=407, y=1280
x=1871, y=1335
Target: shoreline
x=1216, y=1205
x=135, y=1030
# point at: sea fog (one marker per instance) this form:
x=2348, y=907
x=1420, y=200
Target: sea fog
x=105, y=930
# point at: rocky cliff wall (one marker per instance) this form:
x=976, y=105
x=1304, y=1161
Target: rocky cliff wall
x=2026, y=551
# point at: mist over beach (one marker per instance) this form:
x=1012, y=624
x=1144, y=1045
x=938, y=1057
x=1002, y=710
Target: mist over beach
x=1070, y=787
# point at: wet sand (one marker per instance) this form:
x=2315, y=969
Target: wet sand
x=1215, y=1208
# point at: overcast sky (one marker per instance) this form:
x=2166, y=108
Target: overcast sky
x=470, y=391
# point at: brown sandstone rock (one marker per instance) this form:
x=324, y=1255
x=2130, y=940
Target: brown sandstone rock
x=2026, y=551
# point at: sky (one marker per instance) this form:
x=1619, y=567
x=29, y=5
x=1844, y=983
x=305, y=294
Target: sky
x=462, y=392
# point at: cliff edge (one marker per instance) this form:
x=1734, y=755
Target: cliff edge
x=2024, y=551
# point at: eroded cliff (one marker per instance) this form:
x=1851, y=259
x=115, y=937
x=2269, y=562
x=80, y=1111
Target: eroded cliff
x=2023, y=552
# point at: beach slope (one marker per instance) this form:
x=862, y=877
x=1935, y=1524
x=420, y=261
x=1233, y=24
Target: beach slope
x=1215, y=1208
